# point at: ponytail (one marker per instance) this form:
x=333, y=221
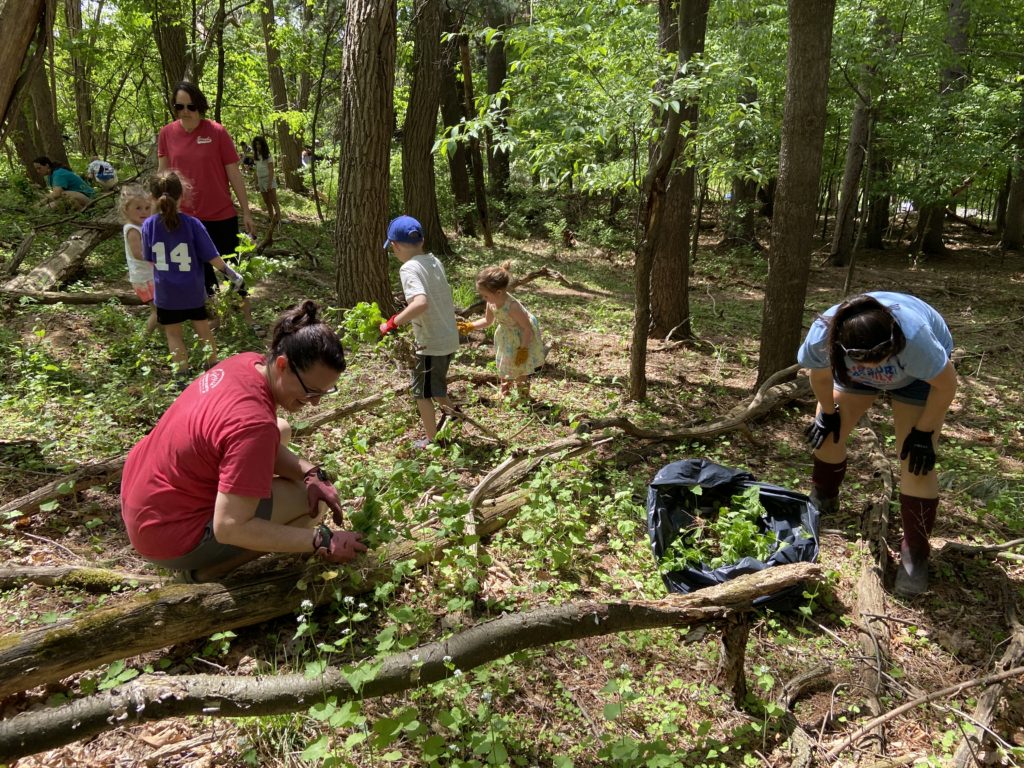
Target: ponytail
x=166, y=188
x=305, y=340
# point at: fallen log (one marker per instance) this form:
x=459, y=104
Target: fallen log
x=86, y=476
x=156, y=697
x=127, y=298
x=72, y=577
x=20, y=254
x=69, y=258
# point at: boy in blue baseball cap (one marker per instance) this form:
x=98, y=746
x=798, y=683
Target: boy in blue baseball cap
x=431, y=312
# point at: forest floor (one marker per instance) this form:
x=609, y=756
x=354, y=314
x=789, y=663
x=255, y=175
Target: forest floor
x=83, y=384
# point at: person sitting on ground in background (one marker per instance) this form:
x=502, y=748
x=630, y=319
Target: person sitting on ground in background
x=177, y=244
x=265, y=181
x=883, y=342
x=246, y=157
x=135, y=207
x=67, y=188
x=431, y=312
x=214, y=485
x=102, y=173
x=518, y=347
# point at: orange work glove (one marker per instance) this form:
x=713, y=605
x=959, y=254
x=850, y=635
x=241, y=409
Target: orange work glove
x=521, y=355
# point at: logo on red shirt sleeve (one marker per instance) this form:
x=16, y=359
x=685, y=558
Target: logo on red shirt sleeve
x=211, y=379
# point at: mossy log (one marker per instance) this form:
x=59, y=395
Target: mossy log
x=157, y=697
x=97, y=580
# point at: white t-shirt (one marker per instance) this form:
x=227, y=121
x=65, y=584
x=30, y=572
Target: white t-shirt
x=139, y=272
x=435, y=329
x=100, y=169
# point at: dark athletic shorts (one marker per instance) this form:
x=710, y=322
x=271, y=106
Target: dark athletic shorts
x=224, y=234
x=914, y=393
x=209, y=551
x=175, y=316
x=430, y=379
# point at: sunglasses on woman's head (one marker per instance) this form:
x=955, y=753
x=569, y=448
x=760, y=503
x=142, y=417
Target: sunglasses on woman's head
x=189, y=107
x=877, y=352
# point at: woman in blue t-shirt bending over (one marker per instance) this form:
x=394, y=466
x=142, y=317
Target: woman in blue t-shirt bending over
x=179, y=245
x=66, y=186
x=895, y=343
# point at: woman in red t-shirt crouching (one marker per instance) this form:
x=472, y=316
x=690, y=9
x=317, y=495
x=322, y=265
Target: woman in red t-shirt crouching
x=214, y=485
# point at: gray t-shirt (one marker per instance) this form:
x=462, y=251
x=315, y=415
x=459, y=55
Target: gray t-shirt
x=435, y=329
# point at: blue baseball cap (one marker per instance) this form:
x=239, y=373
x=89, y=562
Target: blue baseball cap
x=404, y=229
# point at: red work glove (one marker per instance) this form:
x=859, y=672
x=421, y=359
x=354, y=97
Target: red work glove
x=521, y=355
x=389, y=326
x=320, y=488
x=337, y=546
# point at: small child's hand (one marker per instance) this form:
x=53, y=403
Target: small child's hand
x=465, y=327
x=521, y=355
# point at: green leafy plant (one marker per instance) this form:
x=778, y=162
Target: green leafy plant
x=361, y=325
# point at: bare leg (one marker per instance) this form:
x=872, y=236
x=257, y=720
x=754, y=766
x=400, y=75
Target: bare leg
x=851, y=408
x=202, y=329
x=921, y=486
x=426, y=409
x=176, y=344
x=151, y=322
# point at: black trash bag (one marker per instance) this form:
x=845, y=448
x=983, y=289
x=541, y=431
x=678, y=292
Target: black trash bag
x=671, y=508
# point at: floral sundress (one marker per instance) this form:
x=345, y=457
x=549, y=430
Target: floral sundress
x=507, y=340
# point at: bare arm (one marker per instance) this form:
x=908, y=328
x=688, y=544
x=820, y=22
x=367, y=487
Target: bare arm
x=134, y=240
x=522, y=321
x=235, y=523
x=162, y=163
x=940, y=397
x=486, y=320
x=238, y=185
x=821, y=385
x=417, y=306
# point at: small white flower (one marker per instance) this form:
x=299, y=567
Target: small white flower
x=301, y=619
x=447, y=659
x=457, y=673
x=306, y=605
x=624, y=669
x=349, y=600
x=362, y=606
x=486, y=696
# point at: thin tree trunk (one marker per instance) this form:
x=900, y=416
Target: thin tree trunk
x=1002, y=199
x=856, y=147
x=366, y=114
x=475, y=155
x=878, y=211
x=803, y=133
x=305, y=78
x=499, y=18
x=1013, y=229
x=46, y=121
x=219, y=32
x=418, y=184
x=81, y=86
x=21, y=22
x=452, y=114
x=287, y=142
x=24, y=144
x=739, y=218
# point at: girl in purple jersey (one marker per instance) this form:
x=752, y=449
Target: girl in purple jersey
x=178, y=245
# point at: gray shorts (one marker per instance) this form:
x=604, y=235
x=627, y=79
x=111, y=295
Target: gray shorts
x=430, y=378
x=914, y=393
x=209, y=551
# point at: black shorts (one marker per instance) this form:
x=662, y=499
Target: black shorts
x=175, y=316
x=224, y=234
x=430, y=377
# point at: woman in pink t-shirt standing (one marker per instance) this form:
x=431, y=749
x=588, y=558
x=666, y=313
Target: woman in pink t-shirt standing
x=202, y=152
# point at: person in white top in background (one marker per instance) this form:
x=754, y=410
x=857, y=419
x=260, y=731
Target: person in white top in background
x=135, y=207
x=265, y=181
x=102, y=173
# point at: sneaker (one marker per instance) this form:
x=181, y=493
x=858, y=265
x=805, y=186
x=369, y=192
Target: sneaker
x=911, y=577
x=826, y=506
x=421, y=444
x=184, y=577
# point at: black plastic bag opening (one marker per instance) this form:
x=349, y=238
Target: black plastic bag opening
x=672, y=506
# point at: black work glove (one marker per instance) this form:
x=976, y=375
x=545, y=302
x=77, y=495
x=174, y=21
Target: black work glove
x=824, y=424
x=918, y=446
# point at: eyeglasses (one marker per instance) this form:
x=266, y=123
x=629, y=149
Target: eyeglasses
x=877, y=352
x=189, y=107
x=310, y=393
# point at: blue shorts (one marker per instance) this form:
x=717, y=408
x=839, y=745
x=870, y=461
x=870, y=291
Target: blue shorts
x=209, y=551
x=914, y=393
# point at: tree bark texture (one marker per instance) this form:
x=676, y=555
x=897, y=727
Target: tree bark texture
x=69, y=258
x=1013, y=222
x=739, y=220
x=670, y=270
x=452, y=114
x=498, y=15
x=287, y=142
x=878, y=207
x=23, y=134
x=21, y=22
x=419, y=186
x=47, y=125
x=366, y=115
x=803, y=134
x=158, y=697
x=856, y=149
x=172, y=44
x=80, y=77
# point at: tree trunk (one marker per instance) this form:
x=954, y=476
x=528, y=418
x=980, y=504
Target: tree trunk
x=856, y=148
x=499, y=17
x=1002, y=199
x=803, y=134
x=21, y=21
x=288, y=144
x=670, y=271
x=878, y=212
x=80, y=78
x=418, y=183
x=219, y=33
x=22, y=132
x=305, y=76
x=46, y=121
x=476, y=160
x=739, y=217
x=172, y=44
x=158, y=697
x=452, y=114
x=70, y=257
x=1013, y=228
x=366, y=115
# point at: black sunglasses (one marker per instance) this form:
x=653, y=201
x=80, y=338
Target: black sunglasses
x=310, y=393
x=189, y=107
x=877, y=352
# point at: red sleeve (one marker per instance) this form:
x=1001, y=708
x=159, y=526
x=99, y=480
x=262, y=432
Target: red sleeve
x=247, y=467
x=161, y=143
x=228, y=153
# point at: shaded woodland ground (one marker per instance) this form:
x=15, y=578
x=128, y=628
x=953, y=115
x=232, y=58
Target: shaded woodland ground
x=632, y=699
